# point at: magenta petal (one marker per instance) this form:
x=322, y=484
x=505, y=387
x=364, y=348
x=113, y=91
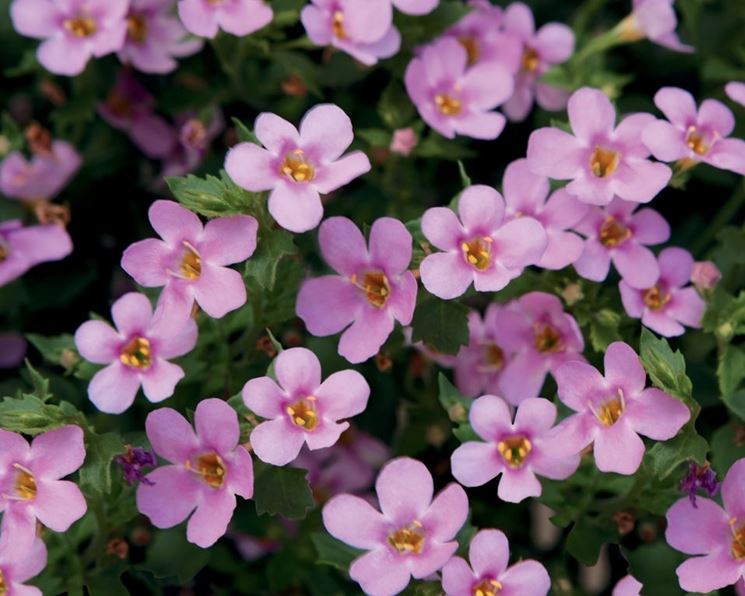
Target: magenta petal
x=353, y=521
x=390, y=245
x=656, y=414
x=219, y=290
x=442, y=228
x=296, y=207
x=97, y=342
x=404, y=488
x=624, y=369
x=57, y=453
x=113, y=389
x=517, y=485
x=709, y=573
x=170, y=498
x=380, y=572
x=618, y=448
x=526, y=577
x=555, y=153
x=342, y=245
x=252, y=167
x=697, y=530
x=212, y=517
x=58, y=504
x=445, y=275
x=228, y=240
x=241, y=474
x=277, y=442
x=328, y=304
x=490, y=416
x=217, y=425
x=327, y=130
x=171, y=435
x=298, y=371
x=343, y=394
x=146, y=261
x=489, y=553
x=446, y=514
x=475, y=463
x=341, y=172
x=363, y=338
x=160, y=380
x=263, y=397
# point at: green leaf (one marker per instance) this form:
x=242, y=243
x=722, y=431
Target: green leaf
x=604, y=329
x=282, y=491
x=59, y=349
x=457, y=407
x=654, y=566
x=736, y=403
x=170, y=555
x=29, y=413
x=334, y=552
x=585, y=540
x=465, y=179
x=665, y=457
x=244, y=133
x=441, y=324
x=666, y=368
x=272, y=247
x=726, y=448
x=376, y=137
x=100, y=451
x=214, y=197
x=395, y=107
x=731, y=369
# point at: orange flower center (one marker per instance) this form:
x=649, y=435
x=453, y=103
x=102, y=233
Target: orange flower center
x=738, y=540
x=409, y=539
x=337, y=25
x=296, y=167
x=530, y=60
x=488, y=587
x=25, y=483
x=447, y=104
x=303, y=413
x=697, y=142
x=515, y=450
x=493, y=357
x=613, y=232
x=191, y=263
x=376, y=287
x=471, y=45
x=477, y=252
x=610, y=410
x=656, y=297
x=211, y=468
x=603, y=162
x=547, y=338
x=4, y=251
x=80, y=26
x=136, y=353
x=137, y=27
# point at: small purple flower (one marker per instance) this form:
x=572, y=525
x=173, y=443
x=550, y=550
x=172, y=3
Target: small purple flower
x=552, y=44
x=526, y=193
x=191, y=259
x=134, y=461
x=627, y=586
x=715, y=533
x=297, y=166
x=30, y=485
x=12, y=349
x=619, y=234
x=413, y=536
x=302, y=409
x=239, y=17
x=453, y=98
x=22, y=248
x=155, y=37
x=372, y=290
x=517, y=450
x=735, y=90
x=699, y=477
x=694, y=135
x=488, y=574
x=655, y=20
x=614, y=409
x=478, y=245
x=361, y=28
x=136, y=352
x=41, y=178
x=600, y=159
x=208, y=468
x=541, y=337
x=666, y=305
x=18, y=565
x=73, y=30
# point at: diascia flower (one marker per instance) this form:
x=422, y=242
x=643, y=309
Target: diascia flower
x=30, y=485
x=517, y=450
x=620, y=234
x=600, y=159
x=73, y=30
x=24, y=247
x=612, y=410
x=655, y=20
x=478, y=245
x=627, y=586
x=414, y=534
x=540, y=50
x=136, y=352
x=488, y=573
x=190, y=260
x=373, y=289
x=453, y=98
x=735, y=90
x=43, y=177
x=669, y=303
x=302, y=409
x=18, y=565
x=207, y=470
x=694, y=135
x=239, y=17
x=715, y=533
x=297, y=166
x=541, y=337
x=526, y=193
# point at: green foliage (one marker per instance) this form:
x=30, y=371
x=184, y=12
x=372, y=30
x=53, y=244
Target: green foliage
x=214, y=197
x=334, y=552
x=441, y=324
x=281, y=491
x=171, y=556
x=457, y=407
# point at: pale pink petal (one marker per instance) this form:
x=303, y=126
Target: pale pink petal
x=632, y=300
x=403, y=299
x=480, y=208
x=519, y=243
x=404, y=488
x=435, y=558
x=277, y=441
x=216, y=424
x=490, y=416
x=147, y=261
x=709, y=573
x=263, y=397
x=475, y=463
x=577, y=382
x=442, y=228
x=61, y=55
x=555, y=42
x=380, y=572
x=170, y=498
x=649, y=227
x=327, y=131
x=58, y=504
x=296, y=207
x=480, y=125
x=328, y=304
x=618, y=449
x=594, y=262
x=244, y=17
x=487, y=85
x=173, y=223
x=298, y=371
x=325, y=435
x=517, y=485
x=665, y=141
x=713, y=114
x=536, y=415
x=732, y=494
x=637, y=265
x=252, y=167
x=390, y=245
x=489, y=553
x=457, y=577
x=523, y=377
x=555, y=153
x=343, y=394
x=641, y=180
x=160, y=380
x=416, y=7
x=657, y=415
x=687, y=306
x=660, y=322
x=212, y=517
x=342, y=171
x=518, y=18
x=728, y=154
x=353, y=521
x=366, y=21
x=342, y=245
x=526, y=578
x=366, y=335
x=34, y=18
x=523, y=189
x=219, y=290
x=197, y=18
x=591, y=113
x=57, y=453
x=113, y=389
x=445, y=275
x=97, y=342
x=241, y=474
x=447, y=513
x=229, y=240
x=678, y=105
x=170, y=435
x=624, y=369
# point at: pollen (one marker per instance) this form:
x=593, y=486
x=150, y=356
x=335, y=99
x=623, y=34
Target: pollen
x=738, y=541
x=191, y=263
x=697, y=142
x=137, y=353
x=471, y=45
x=547, y=338
x=210, y=467
x=603, y=162
x=137, y=27
x=610, y=411
x=530, y=60
x=376, y=287
x=447, y=104
x=303, y=413
x=80, y=26
x=477, y=252
x=613, y=232
x=337, y=25
x=25, y=483
x=656, y=297
x=487, y=587
x=493, y=357
x=515, y=450
x=297, y=167
x=409, y=539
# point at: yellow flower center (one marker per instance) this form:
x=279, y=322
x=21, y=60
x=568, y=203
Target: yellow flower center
x=376, y=287
x=409, y=539
x=337, y=25
x=191, y=262
x=530, y=60
x=738, y=540
x=210, y=467
x=471, y=45
x=295, y=166
x=25, y=483
x=514, y=450
x=477, y=252
x=613, y=232
x=488, y=587
x=80, y=26
x=447, y=104
x=603, y=162
x=136, y=353
x=610, y=410
x=697, y=142
x=656, y=297
x=137, y=27
x=303, y=413
x=547, y=338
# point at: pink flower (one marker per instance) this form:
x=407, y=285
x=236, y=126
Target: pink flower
x=415, y=7
x=705, y=275
x=297, y=166
x=620, y=234
x=712, y=531
x=517, y=450
x=454, y=99
x=526, y=193
x=735, y=90
x=613, y=410
x=155, y=37
x=600, y=159
x=22, y=248
x=136, y=352
x=361, y=28
x=239, y=17
x=479, y=246
x=301, y=407
x=12, y=349
x=665, y=306
x=18, y=565
x=373, y=289
x=190, y=262
x=489, y=553
x=479, y=365
x=695, y=135
x=73, y=30
x=404, y=140
x=413, y=536
x=41, y=178
x=552, y=44
x=208, y=468
x=30, y=485
x=541, y=336
x=627, y=586
x=656, y=20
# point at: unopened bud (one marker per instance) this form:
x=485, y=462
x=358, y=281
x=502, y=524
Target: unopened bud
x=705, y=275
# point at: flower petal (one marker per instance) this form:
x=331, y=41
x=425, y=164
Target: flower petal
x=353, y=521
x=216, y=424
x=343, y=394
x=342, y=245
x=113, y=389
x=404, y=488
x=58, y=504
x=618, y=449
x=328, y=304
x=380, y=572
x=277, y=442
x=656, y=415
x=57, y=453
x=170, y=435
x=447, y=513
x=475, y=463
x=390, y=245
x=252, y=167
x=229, y=240
x=263, y=397
x=363, y=338
x=212, y=517
x=97, y=342
x=490, y=417
x=591, y=114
